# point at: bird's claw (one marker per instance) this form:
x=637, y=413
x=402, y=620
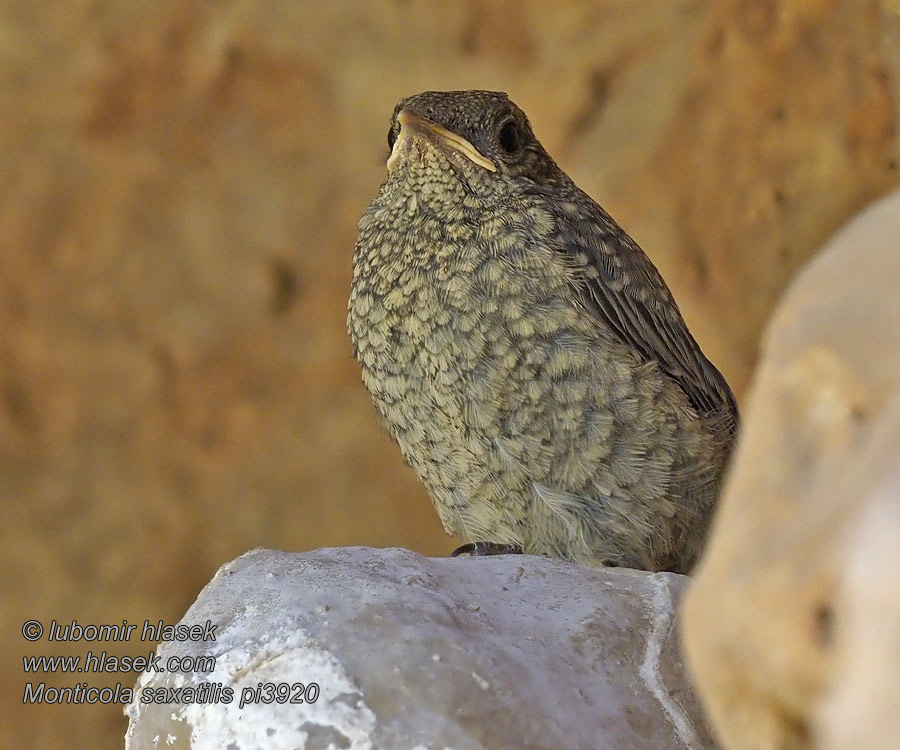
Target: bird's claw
x=486, y=549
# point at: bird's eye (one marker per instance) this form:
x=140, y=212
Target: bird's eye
x=509, y=137
x=392, y=137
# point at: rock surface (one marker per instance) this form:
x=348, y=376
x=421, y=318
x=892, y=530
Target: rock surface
x=513, y=652
x=780, y=616
x=860, y=709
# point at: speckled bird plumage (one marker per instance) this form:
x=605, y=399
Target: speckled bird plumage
x=524, y=352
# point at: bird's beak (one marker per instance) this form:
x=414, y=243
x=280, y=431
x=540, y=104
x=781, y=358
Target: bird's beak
x=411, y=123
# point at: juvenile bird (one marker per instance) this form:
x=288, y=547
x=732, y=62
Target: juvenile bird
x=526, y=355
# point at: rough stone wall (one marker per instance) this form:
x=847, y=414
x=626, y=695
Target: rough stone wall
x=179, y=187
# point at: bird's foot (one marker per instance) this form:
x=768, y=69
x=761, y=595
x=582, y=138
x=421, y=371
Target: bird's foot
x=485, y=549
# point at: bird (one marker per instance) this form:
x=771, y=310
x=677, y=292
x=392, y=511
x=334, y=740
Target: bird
x=525, y=353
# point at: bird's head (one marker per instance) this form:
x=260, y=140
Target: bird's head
x=474, y=141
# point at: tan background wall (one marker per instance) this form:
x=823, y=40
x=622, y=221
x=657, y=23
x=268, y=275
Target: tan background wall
x=179, y=188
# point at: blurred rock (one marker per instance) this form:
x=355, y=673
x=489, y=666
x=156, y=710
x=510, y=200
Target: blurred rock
x=763, y=624
x=409, y=652
x=861, y=706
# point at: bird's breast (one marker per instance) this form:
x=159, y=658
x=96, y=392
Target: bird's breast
x=470, y=327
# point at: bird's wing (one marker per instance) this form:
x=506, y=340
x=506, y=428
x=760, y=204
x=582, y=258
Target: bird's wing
x=626, y=291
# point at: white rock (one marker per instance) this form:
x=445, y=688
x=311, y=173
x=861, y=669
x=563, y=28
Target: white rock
x=778, y=617
x=407, y=652
x=862, y=707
